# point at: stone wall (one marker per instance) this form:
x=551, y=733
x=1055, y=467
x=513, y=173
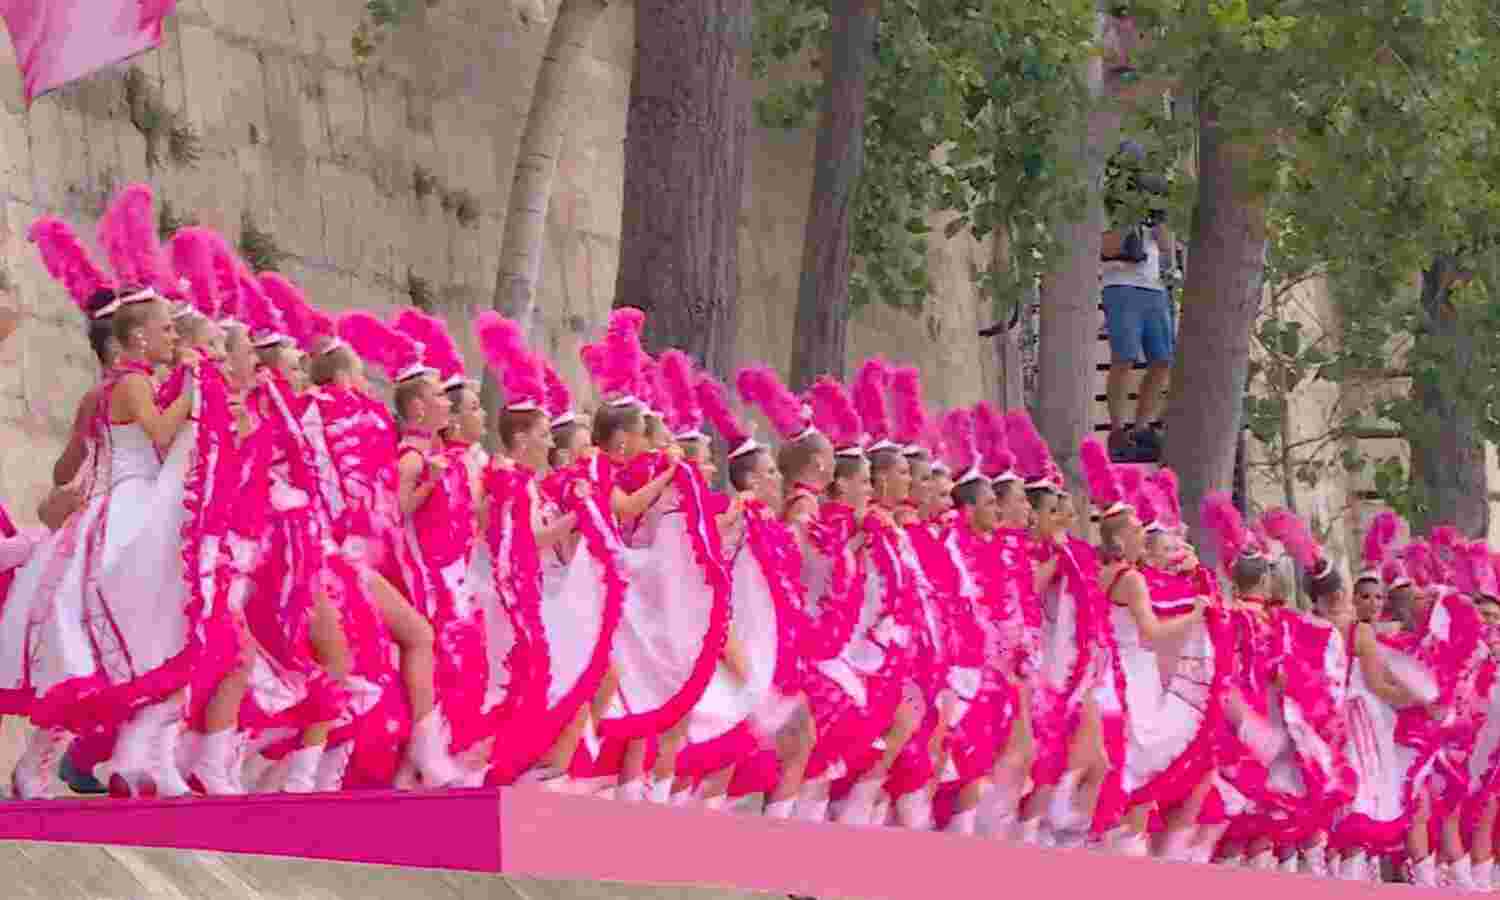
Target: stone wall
x=374, y=178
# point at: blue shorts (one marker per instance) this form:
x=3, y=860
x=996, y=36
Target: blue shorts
x=1139, y=322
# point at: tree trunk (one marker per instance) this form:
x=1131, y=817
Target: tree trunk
x=821, y=336
x=536, y=167
x=685, y=175
x=1447, y=454
x=1221, y=297
x=1010, y=392
x=1070, y=289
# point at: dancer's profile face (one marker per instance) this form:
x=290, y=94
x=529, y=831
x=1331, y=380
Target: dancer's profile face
x=1050, y=518
x=895, y=481
x=942, y=498
x=765, y=480
x=533, y=443
x=856, y=488
x=437, y=408
x=985, y=514
x=239, y=359
x=469, y=416
x=1489, y=611
x=157, y=335
x=1010, y=504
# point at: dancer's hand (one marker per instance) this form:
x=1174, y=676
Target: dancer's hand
x=188, y=357
x=673, y=454
x=883, y=517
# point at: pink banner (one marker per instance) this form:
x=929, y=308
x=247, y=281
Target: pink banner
x=61, y=41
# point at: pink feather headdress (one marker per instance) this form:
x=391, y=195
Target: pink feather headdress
x=615, y=363
x=503, y=344
x=761, y=387
x=1133, y=490
x=960, y=446
x=379, y=344
x=648, y=388
x=69, y=264
x=559, y=398
x=1103, y=480
x=1421, y=565
x=127, y=232
x=713, y=399
x=296, y=315
x=322, y=335
x=868, y=392
x=1169, y=511
x=1379, y=538
x=909, y=415
x=1287, y=527
x=1032, y=456
x=932, y=440
x=1228, y=527
x=212, y=272
x=1473, y=572
x=836, y=417
x=684, y=413
x=440, y=352
x=267, y=326
x=995, y=457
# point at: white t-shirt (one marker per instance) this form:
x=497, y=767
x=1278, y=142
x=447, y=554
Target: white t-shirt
x=1145, y=274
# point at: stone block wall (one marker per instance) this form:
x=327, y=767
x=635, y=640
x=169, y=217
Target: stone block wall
x=373, y=178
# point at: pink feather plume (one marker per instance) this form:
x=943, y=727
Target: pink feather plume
x=201, y=256
x=69, y=263
x=127, y=232
x=621, y=359
x=1165, y=482
x=683, y=412
x=260, y=314
x=1228, y=527
x=370, y=338
x=960, y=447
x=288, y=299
x=713, y=398
x=834, y=413
x=761, y=387
x=1032, y=456
x=909, y=415
x=1288, y=528
x=868, y=392
x=439, y=349
x=1379, y=538
x=995, y=455
x=559, y=395
x=1421, y=566
x=1103, y=480
x=503, y=344
x=320, y=325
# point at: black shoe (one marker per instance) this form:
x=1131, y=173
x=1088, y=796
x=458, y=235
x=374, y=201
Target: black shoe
x=78, y=782
x=1147, y=444
x=1122, y=444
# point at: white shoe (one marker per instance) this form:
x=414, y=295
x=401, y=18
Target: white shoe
x=914, y=810
x=302, y=769
x=166, y=773
x=333, y=765
x=429, y=753
x=214, y=770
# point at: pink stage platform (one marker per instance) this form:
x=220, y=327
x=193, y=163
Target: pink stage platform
x=531, y=833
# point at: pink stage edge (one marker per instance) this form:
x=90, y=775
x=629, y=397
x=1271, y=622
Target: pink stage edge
x=531, y=833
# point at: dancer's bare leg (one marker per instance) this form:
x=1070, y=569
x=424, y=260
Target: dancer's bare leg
x=414, y=635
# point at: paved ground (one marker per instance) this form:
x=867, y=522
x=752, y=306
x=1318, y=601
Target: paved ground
x=70, y=872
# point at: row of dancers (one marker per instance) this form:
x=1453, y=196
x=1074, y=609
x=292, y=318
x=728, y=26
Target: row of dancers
x=255, y=575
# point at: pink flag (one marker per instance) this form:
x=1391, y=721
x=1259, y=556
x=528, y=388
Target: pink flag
x=61, y=41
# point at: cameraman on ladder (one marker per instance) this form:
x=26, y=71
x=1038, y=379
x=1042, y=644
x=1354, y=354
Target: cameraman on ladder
x=1137, y=313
